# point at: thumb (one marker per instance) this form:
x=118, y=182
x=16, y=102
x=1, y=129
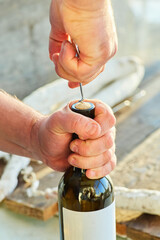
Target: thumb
x=67, y=121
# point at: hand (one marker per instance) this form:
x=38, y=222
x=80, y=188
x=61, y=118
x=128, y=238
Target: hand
x=90, y=24
x=94, y=150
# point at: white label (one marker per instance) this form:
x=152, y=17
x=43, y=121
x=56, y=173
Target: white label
x=96, y=225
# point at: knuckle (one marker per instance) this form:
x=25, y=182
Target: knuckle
x=112, y=120
x=108, y=113
x=106, y=52
x=100, y=160
x=79, y=75
x=105, y=55
x=110, y=165
x=107, y=155
x=83, y=149
x=107, y=168
x=83, y=163
x=109, y=141
x=110, y=48
x=77, y=122
x=113, y=161
x=90, y=148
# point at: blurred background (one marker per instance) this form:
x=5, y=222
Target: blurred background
x=24, y=31
x=25, y=66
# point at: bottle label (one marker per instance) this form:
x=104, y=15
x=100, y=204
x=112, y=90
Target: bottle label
x=95, y=225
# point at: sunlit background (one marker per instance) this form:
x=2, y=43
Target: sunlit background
x=25, y=66
x=138, y=26
x=24, y=30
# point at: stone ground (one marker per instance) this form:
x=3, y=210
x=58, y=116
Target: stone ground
x=24, y=30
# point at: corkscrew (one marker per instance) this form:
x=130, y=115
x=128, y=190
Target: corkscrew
x=80, y=84
x=81, y=90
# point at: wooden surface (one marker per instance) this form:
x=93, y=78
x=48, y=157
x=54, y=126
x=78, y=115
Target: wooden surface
x=145, y=227
x=122, y=217
x=37, y=207
x=138, y=145
x=136, y=123
x=137, y=226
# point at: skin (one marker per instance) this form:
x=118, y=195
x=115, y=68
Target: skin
x=90, y=24
x=23, y=131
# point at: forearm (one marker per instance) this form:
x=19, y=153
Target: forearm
x=16, y=123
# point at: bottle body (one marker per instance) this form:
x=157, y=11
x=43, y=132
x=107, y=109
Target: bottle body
x=86, y=207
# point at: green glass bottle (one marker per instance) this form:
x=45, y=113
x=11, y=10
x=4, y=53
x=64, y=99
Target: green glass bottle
x=86, y=206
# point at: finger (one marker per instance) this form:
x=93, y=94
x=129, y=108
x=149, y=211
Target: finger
x=54, y=46
x=61, y=71
x=93, y=147
x=103, y=115
x=68, y=66
x=67, y=121
x=75, y=84
x=90, y=162
x=56, y=39
x=73, y=64
x=70, y=77
x=103, y=170
x=57, y=33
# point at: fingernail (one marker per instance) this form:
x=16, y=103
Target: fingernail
x=91, y=128
x=72, y=161
x=74, y=148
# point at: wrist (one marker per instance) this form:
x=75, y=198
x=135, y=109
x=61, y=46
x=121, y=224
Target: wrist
x=34, y=143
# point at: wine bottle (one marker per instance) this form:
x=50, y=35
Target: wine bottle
x=86, y=206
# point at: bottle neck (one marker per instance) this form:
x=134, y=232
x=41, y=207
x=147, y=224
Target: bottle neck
x=80, y=108
x=79, y=170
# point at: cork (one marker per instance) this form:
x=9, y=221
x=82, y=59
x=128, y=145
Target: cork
x=83, y=105
x=85, y=108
